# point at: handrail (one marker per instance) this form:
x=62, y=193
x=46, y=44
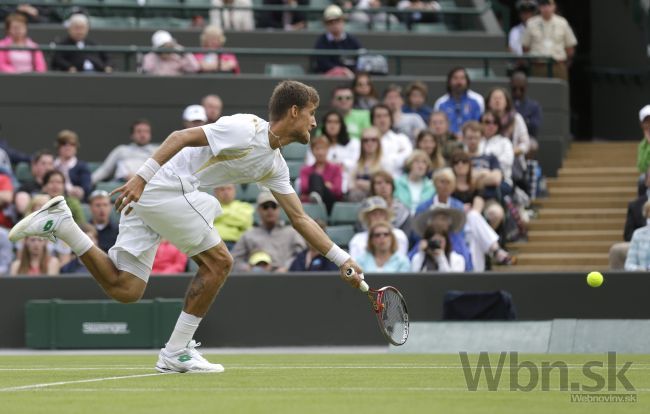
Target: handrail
x=398, y=55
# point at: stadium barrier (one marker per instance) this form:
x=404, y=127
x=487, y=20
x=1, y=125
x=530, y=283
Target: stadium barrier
x=318, y=309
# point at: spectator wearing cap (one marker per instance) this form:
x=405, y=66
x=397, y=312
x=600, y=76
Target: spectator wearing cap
x=375, y=209
x=236, y=216
x=409, y=124
x=213, y=106
x=20, y=61
x=100, y=218
x=382, y=255
x=232, y=15
x=260, y=262
x=168, y=260
x=194, y=116
x=336, y=38
x=526, y=9
x=638, y=256
x=172, y=63
x=416, y=100
x=280, y=241
x=528, y=108
x=78, y=180
x=643, y=153
x=215, y=61
x=322, y=180
x=311, y=260
x=460, y=103
x=79, y=60
x=124, y=160
x=548, y=34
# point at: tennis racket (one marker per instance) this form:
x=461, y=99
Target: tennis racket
x=390, y=308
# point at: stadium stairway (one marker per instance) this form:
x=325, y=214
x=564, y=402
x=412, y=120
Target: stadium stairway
x=585, y=211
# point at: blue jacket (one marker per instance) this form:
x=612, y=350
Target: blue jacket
x=468, y=108
x=325, y=63
x=81, y=177
x=531, y=111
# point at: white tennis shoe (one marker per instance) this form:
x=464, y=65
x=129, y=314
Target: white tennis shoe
x=187, y=359
x=44, y=222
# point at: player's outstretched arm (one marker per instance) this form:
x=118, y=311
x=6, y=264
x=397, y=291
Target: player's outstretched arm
x=176, y=141
x=316, y=237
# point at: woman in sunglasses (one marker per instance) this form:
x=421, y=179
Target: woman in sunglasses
x=371, y=160
x=498, y=145
x=382, y=255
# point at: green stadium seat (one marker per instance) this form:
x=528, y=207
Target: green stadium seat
x=112, y=22
x=86, y=209
x=294, y=168
x=344, y=213
x=115, y=215
x=341, y=235
x=356, y=27
x=315, y=26
x=206, y=3
x=108, y=186
x=164, y=3
x=283, y=71
x=430, y=28
x=477, y=73
x=163, y=23
x=294, y=152
x=119, y=2
x=94, y=165
x=23, y=172
x=315, y=211
x=191, y=267
x=249, y=193
x=394, y=27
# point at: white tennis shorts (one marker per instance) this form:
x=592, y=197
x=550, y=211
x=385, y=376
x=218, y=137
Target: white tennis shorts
x=184, y=218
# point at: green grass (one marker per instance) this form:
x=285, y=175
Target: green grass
x=387, y=383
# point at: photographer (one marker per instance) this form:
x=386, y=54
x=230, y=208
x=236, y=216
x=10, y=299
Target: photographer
x=435, y=254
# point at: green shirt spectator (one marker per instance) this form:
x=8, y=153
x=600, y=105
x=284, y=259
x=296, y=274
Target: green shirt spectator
x=237, y=216
x=643, y=156
x=356, y=120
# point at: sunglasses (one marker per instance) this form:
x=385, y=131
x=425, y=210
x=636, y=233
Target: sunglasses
x=378, y=235
x=461, y=162
x=488, y=122
x=344, y=98
x=269, y=205
x=370, y=139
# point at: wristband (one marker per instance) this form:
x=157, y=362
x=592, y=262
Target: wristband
x=337, y=255
x=148, y=169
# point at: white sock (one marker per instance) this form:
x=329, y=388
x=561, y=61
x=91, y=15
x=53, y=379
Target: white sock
x=183, y=332
x=69, y=232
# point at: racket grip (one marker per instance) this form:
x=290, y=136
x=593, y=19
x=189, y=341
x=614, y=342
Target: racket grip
x=363, y=286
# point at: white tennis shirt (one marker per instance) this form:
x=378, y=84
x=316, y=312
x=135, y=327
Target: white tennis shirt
x=238, y=152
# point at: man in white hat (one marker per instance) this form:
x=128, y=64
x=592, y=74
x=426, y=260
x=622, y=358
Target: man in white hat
x=336, y=38
x=194, y=116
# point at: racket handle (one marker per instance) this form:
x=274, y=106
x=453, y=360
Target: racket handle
x=363, y=286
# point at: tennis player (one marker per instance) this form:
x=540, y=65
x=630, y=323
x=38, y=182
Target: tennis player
x=163, y=200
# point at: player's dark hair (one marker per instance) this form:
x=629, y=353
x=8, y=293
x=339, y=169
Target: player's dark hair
x=290, y=93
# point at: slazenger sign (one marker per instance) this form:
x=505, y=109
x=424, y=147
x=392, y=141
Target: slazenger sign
x=105, y=328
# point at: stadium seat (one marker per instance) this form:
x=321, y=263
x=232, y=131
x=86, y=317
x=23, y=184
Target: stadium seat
x=294, y=168
x=344, y=213
x=24, y=172
x=191, y=267
x=430, y=28
x=475, y=73
x=394, y=27
x=112, y=22
x=163, y=23
x=315, y=211
x=206, y=3
x=341, y=235
x=283, y=71
x=294, y=152
x=249, y=193
x=163, y=2
x=94, y=165
x=86, y=209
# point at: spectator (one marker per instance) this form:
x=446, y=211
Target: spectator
x=100, y=219
x=528, y=108
x=383, y=185
x=42, y=162
x=485, y=167
x=336, y=38
x=374, y=210
x=169, y=63
x=416, y=99
x=19, y=61
x=409, y=124
x=414, y=187
x=498, y=145
x=434, y=250
x=80, y=60
x=377, y=18
x=460, y=103
x=34, y=14
x=370, y=161
x=356, y=120
x=76, y=265
x=643, y=153
x=260, y=262
x=513, y=125
x=426, y=141
x=439, y=124
x=216, y=61
x=365, y=95
x=310, y=259
x=638, y=257
x=422, y=11
x=382, y=255
x=54, y=185
x=322, y=180
x=168, y=260
x=6, y=201
x=124, y=160
x=526, y=9
x=343, y=150
x=285, y=20
x=236, y=216
x=78, y=181
x=395, y=147
x=194, y=116
x=35, y=259
x=231, y=15
x=213, y=106
x=281, y=242
x=549, y=35
x=6, y=252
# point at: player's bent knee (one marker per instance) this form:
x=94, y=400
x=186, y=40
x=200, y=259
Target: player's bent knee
x=128, y=289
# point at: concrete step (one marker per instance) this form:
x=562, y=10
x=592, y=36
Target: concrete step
x=574, y=235
x=608, y=181
x=590, y=223
x=628, y=171
x=599, y=213
x=625, y=192
x=586, y=259
x=558, y=246
x=582, y=202
x=591, y=145
x=546, y=268
x=594, y=162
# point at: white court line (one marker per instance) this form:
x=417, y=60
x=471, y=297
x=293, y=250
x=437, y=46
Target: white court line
x=303, y=389
x=54, y=384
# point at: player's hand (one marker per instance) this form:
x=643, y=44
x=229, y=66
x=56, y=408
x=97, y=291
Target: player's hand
x=356, y=278
x=129, y=192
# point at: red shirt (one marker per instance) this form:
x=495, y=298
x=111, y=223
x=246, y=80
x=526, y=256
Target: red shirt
x=5, y=185
x=331, y=174
x=168, y=259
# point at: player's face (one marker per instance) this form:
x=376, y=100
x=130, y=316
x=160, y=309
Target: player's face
x=304, y=122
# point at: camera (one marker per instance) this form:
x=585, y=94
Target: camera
x=433, y=244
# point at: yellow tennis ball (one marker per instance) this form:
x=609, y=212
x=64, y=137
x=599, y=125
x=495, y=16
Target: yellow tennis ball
x=595, y=279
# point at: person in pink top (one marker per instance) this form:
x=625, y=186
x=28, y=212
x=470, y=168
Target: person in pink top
x=168, y=260
x=322, y=180
x=216, y=61
x=19, y=61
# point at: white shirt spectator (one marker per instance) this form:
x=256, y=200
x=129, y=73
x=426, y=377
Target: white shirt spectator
x=232, y=19
x=395, y=149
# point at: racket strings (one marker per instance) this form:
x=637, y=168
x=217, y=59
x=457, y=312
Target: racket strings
x=394, y=316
